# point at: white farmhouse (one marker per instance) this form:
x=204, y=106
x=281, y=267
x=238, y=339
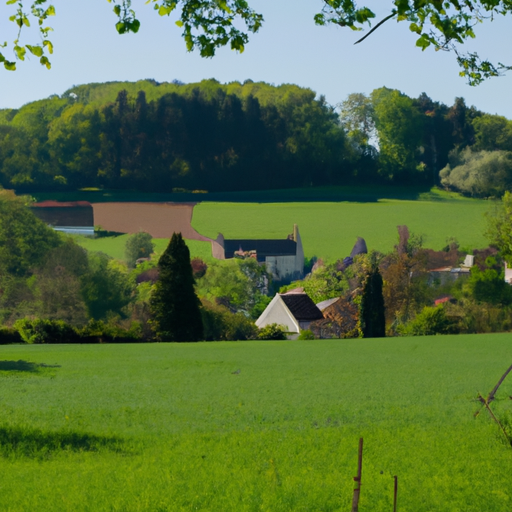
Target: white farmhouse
x=283, y=258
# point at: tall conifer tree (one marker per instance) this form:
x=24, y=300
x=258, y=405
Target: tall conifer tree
x=373, y=320
x=175, y=307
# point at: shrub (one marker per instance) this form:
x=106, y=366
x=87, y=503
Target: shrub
x=488, y=285
x=106, y=287
x=45, y=331
x=306, y=335
x=56, y=331
x=9, y=336
x=272, y=332
x=239, y=284
x=220, y=324
x=97, y=331
x=479, y=174
x=431, y=320
x=199, y=267
x=139, y=245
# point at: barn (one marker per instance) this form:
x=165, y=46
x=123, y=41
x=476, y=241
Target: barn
x=75, y=217
x=284, y=258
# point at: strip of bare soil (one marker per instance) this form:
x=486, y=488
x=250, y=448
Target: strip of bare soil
x=160, y=220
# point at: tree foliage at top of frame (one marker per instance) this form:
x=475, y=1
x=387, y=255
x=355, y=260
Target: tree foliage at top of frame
x=206, y=24
x=442, y=24
x=211, y=24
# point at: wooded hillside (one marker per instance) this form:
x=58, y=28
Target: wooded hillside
x=208, y=136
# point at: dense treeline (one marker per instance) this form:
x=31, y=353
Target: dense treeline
x=204, y=137
x=208, y=136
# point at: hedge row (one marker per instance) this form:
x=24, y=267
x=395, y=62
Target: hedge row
x=39, y=331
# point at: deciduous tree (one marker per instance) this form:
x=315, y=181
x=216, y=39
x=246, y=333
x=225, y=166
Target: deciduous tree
x=210, y=24
x=24, y=239
x=399, y=127
x=499, y=227
x=138, y=245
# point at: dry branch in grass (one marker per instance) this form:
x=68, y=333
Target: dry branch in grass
x=490, y=398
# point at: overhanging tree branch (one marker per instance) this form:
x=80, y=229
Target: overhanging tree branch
x=381, y=22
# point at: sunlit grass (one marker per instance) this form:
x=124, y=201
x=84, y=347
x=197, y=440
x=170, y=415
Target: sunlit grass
x=330, y=218
x=178, y=427
x=114, y=246
x=329, y=230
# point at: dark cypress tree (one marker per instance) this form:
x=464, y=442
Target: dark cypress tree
x=175, y=307
x=373, y=320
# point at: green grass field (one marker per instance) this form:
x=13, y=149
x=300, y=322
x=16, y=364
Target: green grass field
x=170, y=427
x=330, y=229
x=114, y=246
x=313, y=194
x=329, y=224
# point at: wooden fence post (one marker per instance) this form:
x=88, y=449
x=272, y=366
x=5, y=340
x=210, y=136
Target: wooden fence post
x=357, y=479
x=395, y=493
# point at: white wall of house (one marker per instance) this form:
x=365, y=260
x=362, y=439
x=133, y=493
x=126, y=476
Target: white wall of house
x=288, y=268
x=277, y=312
x=299, y=255
x=75, y=230
x=282, y=267
x=508, y=274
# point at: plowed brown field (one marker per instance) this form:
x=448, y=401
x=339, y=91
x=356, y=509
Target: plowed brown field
x=160, y=220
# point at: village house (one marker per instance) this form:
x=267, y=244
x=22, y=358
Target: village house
x=75, y=217
x=293, y=310
x=444, y=275
x=283, y=258
x=340, y=318
x=508, y=274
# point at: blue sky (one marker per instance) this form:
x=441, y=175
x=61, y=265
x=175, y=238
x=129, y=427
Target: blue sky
x=288, y=49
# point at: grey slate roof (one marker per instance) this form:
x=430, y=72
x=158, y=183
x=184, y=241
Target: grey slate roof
x=326, y=303
x=263, y=248
x=301, y=306
x=76, y=214
x=359, y=247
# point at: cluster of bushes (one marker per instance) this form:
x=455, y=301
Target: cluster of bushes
x=45, y=331
x=478, y=303
x=478, y=173
x=220, y=324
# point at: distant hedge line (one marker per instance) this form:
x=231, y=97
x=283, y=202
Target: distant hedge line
x=42, y=331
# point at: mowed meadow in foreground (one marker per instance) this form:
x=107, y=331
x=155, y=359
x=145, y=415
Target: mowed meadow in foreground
x=255, y=426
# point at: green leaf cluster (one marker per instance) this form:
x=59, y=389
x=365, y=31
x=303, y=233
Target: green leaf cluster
x=241, y=285
x=38, y=12
x=430, y=321
x=444, y=25
x=138, y=245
